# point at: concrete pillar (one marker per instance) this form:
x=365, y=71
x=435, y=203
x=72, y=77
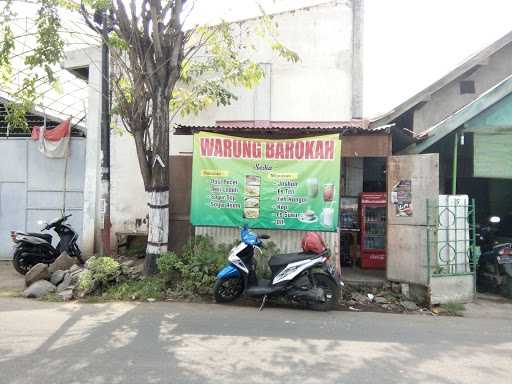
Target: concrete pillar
x=357, y=58
x=79, y=62
x=91, y=223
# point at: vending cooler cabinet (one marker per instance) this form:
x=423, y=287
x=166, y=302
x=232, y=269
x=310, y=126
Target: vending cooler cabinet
x=372, y=210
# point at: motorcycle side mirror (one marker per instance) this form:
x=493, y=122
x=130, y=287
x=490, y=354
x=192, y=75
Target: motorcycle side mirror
x=42, y=223
x=495, y=219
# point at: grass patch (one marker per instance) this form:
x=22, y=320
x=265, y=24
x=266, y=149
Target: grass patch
x=453, y=309
x=148, y=288
x=10, y=293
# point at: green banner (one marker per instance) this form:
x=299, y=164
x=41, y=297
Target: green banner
x=273, y=184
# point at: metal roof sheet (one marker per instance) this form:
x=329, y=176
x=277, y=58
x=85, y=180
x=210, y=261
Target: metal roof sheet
x=355, y=127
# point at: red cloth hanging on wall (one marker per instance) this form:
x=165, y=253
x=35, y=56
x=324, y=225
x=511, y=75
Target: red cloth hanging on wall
x=53, y=143
x=54, y=134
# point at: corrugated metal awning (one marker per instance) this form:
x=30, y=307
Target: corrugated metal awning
x=354, y=127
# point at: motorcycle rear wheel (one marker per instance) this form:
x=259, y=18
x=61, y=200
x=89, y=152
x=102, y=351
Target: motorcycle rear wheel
x=331, y=290
x=19, y=263
x=228, y=290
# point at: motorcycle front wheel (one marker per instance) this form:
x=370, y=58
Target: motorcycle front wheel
x=228, y=289
x=331, y=291
x=20, y=264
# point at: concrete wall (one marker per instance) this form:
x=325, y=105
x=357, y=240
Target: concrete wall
x=319, y=88
x=452, y=289
x=407, y=236
x=448, y=99
x=128, y=202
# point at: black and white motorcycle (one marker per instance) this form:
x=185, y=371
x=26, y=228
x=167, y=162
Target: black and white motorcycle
x=306, y=278
x=31, y=248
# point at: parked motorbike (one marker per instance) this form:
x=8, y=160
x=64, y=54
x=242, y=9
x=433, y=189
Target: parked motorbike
x=31, y=248
x=494, y=269
x=307, y=278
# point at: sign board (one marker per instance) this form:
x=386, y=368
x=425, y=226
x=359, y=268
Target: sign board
x=401, y=196
x=273, y=184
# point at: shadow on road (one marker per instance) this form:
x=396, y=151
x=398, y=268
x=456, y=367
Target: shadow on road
x=177, y=343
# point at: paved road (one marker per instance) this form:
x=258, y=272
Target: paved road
x=191, y=343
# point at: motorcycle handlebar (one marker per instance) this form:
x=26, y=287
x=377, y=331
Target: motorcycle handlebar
x=57, y=222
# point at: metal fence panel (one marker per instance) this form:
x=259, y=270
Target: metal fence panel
x=451, y=236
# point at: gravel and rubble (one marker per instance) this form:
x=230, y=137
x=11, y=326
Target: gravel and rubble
x=387, y=298
x=63, y=277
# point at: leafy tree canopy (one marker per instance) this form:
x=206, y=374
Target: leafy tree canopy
x=213, y=66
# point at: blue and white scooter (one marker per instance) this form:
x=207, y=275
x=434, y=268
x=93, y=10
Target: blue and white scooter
x=302, y=277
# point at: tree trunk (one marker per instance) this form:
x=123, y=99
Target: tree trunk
x=158, y=191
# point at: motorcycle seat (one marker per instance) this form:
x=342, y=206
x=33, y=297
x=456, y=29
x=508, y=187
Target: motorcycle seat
x=288, y=258
x=43, y=236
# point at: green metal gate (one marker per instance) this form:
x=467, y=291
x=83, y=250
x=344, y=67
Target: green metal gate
x=451, y=237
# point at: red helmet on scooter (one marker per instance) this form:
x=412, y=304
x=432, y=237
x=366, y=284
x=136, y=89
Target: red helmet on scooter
x=313, y=242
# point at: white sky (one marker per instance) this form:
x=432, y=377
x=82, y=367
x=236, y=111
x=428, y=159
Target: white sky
x=408, y=43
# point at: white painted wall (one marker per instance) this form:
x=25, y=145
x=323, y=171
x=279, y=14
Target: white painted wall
x=448, y=99
x=128, y=200
x=319, y=88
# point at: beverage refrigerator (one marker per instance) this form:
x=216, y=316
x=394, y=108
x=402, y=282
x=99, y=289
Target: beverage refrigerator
x=372, y=211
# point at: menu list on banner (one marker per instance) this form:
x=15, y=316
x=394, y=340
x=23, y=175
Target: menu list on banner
x=274, y=184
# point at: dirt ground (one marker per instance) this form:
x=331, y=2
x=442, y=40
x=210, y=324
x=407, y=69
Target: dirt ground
x=11, y=282
x=489, y=306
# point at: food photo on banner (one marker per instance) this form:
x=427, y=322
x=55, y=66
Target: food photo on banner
x=271, y=184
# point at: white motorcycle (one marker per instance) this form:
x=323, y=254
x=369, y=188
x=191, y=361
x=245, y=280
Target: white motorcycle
x=302, y=277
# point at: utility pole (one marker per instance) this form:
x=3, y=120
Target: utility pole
x=105, y=138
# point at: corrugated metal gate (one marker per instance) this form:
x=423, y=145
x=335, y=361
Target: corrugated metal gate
x=34, y=187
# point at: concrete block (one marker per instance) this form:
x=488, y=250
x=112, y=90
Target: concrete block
x=452, y=289
x=407, y=254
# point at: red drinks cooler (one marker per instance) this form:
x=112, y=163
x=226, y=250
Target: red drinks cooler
x=372, y=211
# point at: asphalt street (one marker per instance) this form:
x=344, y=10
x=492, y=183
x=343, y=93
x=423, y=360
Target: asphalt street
x=74, y=343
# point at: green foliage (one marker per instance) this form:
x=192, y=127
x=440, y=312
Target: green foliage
x=6, y=42
x=262, y=269
x=148, y=288
x=103, y=269
x=267, y=30
x=50, y=46
x=114, y=41
x=86, y=282
x=47, y=53
x=26, y=97
x=195, y=269
x=100, y=5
